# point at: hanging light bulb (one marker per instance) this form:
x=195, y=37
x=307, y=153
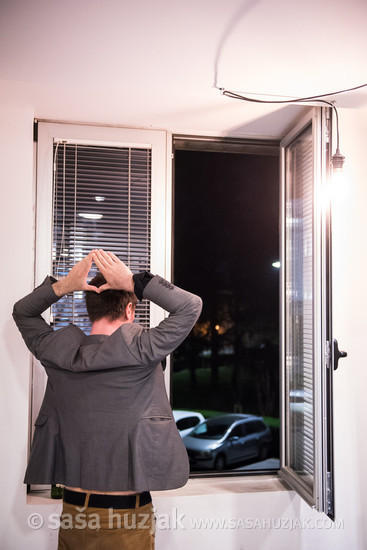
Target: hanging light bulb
x=339, y=178
x=337, y=161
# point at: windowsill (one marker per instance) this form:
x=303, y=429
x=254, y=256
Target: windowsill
x=198, y=487
x=220, y=485
x=42, y=498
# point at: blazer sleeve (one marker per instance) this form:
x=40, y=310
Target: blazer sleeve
x=28, y=318
x=130, y=345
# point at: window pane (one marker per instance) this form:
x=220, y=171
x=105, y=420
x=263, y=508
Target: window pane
x=225, y=242
x=101, y=200
x=299, y=305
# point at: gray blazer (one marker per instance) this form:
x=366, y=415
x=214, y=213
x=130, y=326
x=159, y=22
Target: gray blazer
x=105, y=422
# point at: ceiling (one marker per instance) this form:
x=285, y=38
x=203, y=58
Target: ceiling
x=161, y=63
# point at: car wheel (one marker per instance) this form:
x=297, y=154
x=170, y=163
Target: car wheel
x=263, y=452
x=220, y=462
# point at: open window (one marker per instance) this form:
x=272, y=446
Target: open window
x=226, y=247
x=306, y=356
x=305, y=258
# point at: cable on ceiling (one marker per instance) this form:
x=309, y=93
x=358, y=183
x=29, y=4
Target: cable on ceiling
x=317, y=98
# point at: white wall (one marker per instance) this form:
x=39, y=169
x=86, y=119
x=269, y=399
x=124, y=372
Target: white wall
x=17, y=214
x=350, y=265
x=350, y=304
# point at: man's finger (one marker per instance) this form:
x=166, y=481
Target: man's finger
x=104, y=256
x=98, y=260
x=106, y=286
x=89, y=260
x=107, y=256
x=113, y=256
x=93, y=288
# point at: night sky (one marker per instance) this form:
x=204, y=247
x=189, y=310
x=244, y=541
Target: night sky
x=226, y=237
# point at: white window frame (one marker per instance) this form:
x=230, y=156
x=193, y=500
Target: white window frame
x=160, y=260
x=161, y=235
x=321, y=497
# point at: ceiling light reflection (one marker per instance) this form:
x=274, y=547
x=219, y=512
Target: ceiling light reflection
x=90, y=216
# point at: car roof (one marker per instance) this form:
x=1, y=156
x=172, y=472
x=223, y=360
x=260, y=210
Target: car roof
x=231, y=418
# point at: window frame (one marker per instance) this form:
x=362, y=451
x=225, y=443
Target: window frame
x=109, y=136
x=162, y=245
x=46, y=133
x=322, y=495
x=253, y=146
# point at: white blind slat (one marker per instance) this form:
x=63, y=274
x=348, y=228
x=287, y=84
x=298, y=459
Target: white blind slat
x=113, y=184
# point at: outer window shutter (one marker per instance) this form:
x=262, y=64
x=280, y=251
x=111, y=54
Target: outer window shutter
x=102, y=199
x=306, y=313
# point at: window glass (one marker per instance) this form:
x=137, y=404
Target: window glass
x=212, y=429
x=101, y=200
x=299, y=304
x=119, y=175
x=237, y=431
x=252, y=427
x=307, y=462
x=226, y=245
x=188, y=422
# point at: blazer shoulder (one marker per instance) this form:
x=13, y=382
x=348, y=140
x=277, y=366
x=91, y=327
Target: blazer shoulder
x=171, y=297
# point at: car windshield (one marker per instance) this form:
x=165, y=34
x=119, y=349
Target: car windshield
x=212, y=429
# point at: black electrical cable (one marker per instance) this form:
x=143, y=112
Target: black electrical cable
x=234, y=95
x=228, y=93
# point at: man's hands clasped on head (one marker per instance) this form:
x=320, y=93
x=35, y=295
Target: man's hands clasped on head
x=76, y=279
x=116, y=273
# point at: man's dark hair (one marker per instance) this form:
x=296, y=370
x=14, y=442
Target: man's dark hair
x=109, y=303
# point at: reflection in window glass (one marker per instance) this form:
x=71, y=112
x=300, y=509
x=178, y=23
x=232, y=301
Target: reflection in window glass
x=226, y=217
x=299, y=304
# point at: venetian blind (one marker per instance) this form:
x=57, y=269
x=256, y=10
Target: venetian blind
x=299, y=306
x=101, y=199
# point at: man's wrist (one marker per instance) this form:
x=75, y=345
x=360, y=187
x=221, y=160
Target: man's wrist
x=140, y=282
x=60, y=288
x=130, y=287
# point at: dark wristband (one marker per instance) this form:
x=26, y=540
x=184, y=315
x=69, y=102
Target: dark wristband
x=140, y=281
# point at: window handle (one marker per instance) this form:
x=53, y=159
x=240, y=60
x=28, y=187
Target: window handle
x=338, y=354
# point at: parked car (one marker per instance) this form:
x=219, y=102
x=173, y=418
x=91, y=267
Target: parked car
x=187, y=420
x=227, y=439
